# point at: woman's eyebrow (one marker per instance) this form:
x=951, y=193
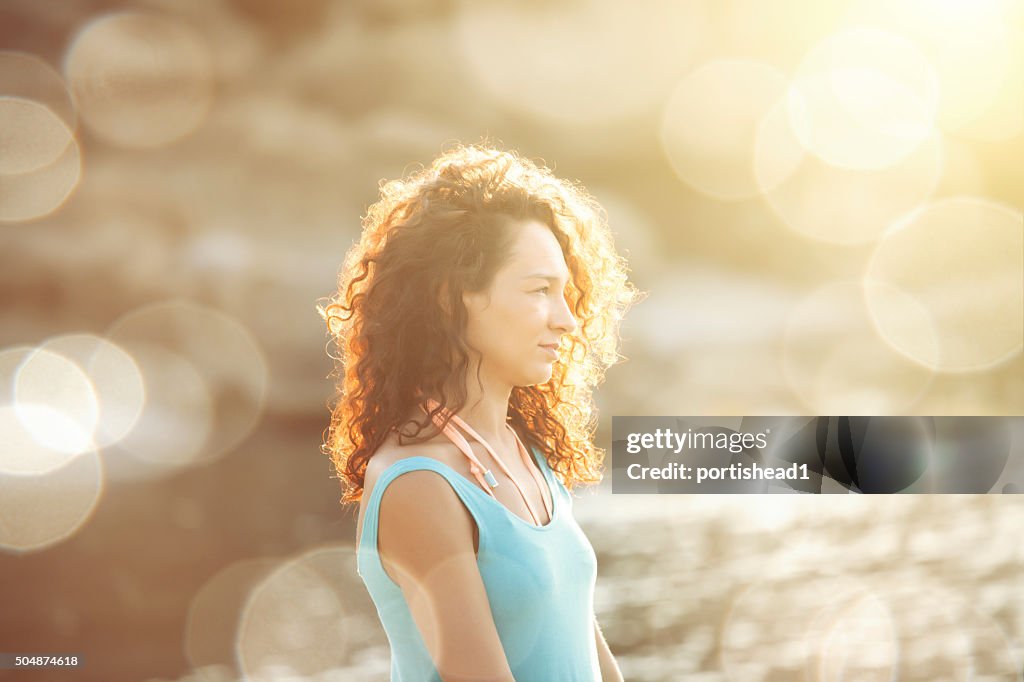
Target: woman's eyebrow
x=547, y=276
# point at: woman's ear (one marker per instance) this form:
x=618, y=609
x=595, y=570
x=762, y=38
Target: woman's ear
x=475, y=301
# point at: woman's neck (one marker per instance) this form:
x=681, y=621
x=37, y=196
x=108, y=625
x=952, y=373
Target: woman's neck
x=486, y=412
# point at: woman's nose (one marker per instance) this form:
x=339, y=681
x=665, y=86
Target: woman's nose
x=563, y=319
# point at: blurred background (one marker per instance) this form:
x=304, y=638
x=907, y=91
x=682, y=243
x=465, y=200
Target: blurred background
x=823, y=201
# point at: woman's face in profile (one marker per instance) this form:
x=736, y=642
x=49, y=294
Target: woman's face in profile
x=516, y=323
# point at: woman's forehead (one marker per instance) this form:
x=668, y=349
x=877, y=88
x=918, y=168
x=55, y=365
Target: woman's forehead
x=536, y=250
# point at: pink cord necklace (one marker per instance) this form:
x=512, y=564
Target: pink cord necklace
x=484, y=476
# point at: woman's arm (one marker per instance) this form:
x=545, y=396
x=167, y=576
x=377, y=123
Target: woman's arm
x=609, y=668
x=425, y=539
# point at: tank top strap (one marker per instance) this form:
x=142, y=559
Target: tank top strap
x=368, y=539
x=557, y=487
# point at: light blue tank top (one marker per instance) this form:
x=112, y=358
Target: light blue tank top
x=539, y=581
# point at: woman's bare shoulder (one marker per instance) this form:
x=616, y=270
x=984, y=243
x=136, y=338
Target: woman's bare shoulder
x=392, y=451
x=418, y=500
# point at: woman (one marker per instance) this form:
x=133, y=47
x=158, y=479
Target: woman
x=473, y=318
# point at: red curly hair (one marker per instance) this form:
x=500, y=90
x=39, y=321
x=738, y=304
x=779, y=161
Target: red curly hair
x=398, y=319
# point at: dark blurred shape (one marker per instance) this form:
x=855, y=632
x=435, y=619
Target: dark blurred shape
x=44, y=28
x=284, y=22
x=804, y=448
x=885, y=454
x=907, y=454
x=863, y=454
x=382, y=13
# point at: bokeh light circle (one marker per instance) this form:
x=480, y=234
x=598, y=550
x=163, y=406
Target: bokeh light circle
x=1003, y=118
x=838, y=205
x=710, y=123
x=775, y=625
x=31, y=135
x=220, y=392
x=928, y=620
x=863, y=99
x=214, y=611
x=577, y=69
x=20, y=451
x=49, y=379
x=26, y=76
x=174, y=425
x=115, y=380
x=140, y=80
x=861, y=644
x=40, y=192
x=957, y=266
x=37, y=512
x=969, y=47
x=307, y=617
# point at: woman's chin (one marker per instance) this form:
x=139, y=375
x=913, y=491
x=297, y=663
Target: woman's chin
x=534, y=378
x=541, y=377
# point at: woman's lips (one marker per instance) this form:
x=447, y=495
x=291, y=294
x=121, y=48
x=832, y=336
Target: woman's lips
x=551, y=348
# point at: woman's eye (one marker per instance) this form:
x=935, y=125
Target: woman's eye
x=542, y=290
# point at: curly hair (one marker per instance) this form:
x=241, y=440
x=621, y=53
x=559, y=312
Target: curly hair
x=398, y=319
